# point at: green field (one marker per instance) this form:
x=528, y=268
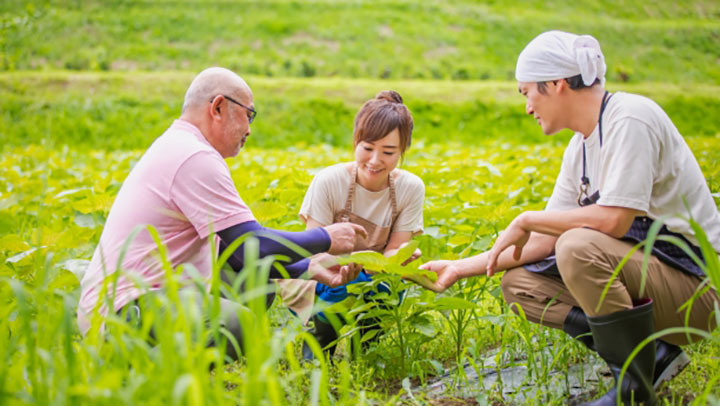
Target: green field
x=86, y=86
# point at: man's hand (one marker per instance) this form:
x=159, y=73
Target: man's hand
x=515, y=235
x=343, y=237
x=325, y=269
x=447, y=275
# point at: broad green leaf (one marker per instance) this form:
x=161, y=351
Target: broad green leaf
x=85, y=221
x=425, y=327
x=22, y=258
x=370, y=260
x=460, y=239
x=13, y=243
x=404, y=253
x=410, y=271
x=369, y=335
x=269, y=210
x=470, y=196
x=452, y=303
x=362, y=308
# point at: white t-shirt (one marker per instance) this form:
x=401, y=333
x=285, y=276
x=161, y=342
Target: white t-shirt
x=182, y=187
x=644, y=164
x=328, y=192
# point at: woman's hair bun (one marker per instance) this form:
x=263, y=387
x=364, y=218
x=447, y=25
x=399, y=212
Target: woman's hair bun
x=390, y=95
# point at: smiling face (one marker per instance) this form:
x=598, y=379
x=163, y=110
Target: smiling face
x=544, y=107
x=377, y=159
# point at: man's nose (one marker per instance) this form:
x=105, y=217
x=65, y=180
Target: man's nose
x=528, y=108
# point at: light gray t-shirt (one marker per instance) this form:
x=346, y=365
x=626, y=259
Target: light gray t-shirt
x=644, y=164
x=329, y=189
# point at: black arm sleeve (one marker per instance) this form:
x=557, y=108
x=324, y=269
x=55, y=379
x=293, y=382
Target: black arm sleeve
x=295, y=270
x=314, y=241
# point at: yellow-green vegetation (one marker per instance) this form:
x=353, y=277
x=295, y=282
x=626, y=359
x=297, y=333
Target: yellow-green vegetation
x=85, y=87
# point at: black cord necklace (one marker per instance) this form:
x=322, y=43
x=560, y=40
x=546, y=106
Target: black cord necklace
x=584, y=180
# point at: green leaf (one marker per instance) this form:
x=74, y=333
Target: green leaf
x=22, y=258
x=370, y=260
x=439, y=368
x=425, y=328
x=452, y=303
x=85, y=220
x=404, y=253
x=406, y=271
x=362, y=308
x=369, y=335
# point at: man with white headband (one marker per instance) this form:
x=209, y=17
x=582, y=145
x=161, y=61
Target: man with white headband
x=626, y=167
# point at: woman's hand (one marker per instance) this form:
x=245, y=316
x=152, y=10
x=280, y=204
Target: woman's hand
x=447, y=273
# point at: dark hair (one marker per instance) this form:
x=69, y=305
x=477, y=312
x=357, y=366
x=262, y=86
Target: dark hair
x=575, y=83
x=379, y=116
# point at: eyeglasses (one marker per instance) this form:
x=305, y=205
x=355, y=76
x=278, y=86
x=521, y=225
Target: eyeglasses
x=252, y=111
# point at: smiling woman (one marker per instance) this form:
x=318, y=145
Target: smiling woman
x=371, y=192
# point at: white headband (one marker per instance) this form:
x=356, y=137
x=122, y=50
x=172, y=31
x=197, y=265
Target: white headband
x=556, y=55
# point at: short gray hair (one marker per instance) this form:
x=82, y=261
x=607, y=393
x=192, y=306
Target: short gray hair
x=210, y=83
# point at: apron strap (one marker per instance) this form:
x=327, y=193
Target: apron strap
x=393, y=200
x=351, y=190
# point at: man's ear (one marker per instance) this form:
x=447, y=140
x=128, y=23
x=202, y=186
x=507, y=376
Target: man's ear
x=561, y=86
x=215, y=107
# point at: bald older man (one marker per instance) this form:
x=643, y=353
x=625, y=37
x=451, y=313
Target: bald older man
x=182, y=188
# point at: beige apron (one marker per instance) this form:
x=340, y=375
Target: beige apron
x=298, y=294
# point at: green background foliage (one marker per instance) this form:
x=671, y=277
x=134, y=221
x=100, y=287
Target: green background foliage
x=376, y=39
x=86, y=86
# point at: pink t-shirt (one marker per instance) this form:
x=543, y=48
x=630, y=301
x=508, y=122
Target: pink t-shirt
x=182, y=187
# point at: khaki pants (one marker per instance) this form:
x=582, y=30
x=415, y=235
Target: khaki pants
x=586, y=260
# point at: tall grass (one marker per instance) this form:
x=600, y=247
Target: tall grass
x=163, y=358
x=709, y=264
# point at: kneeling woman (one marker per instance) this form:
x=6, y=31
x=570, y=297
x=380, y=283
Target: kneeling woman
x=371, y=192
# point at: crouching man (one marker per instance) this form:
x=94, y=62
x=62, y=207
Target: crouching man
x=626, y=166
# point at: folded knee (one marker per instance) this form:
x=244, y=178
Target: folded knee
x=511, y=281
x=574, y=250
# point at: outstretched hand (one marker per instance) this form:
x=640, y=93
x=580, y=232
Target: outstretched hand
x=325, y=269
x=447, y=273
x=344, y=236
x=513, y=235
